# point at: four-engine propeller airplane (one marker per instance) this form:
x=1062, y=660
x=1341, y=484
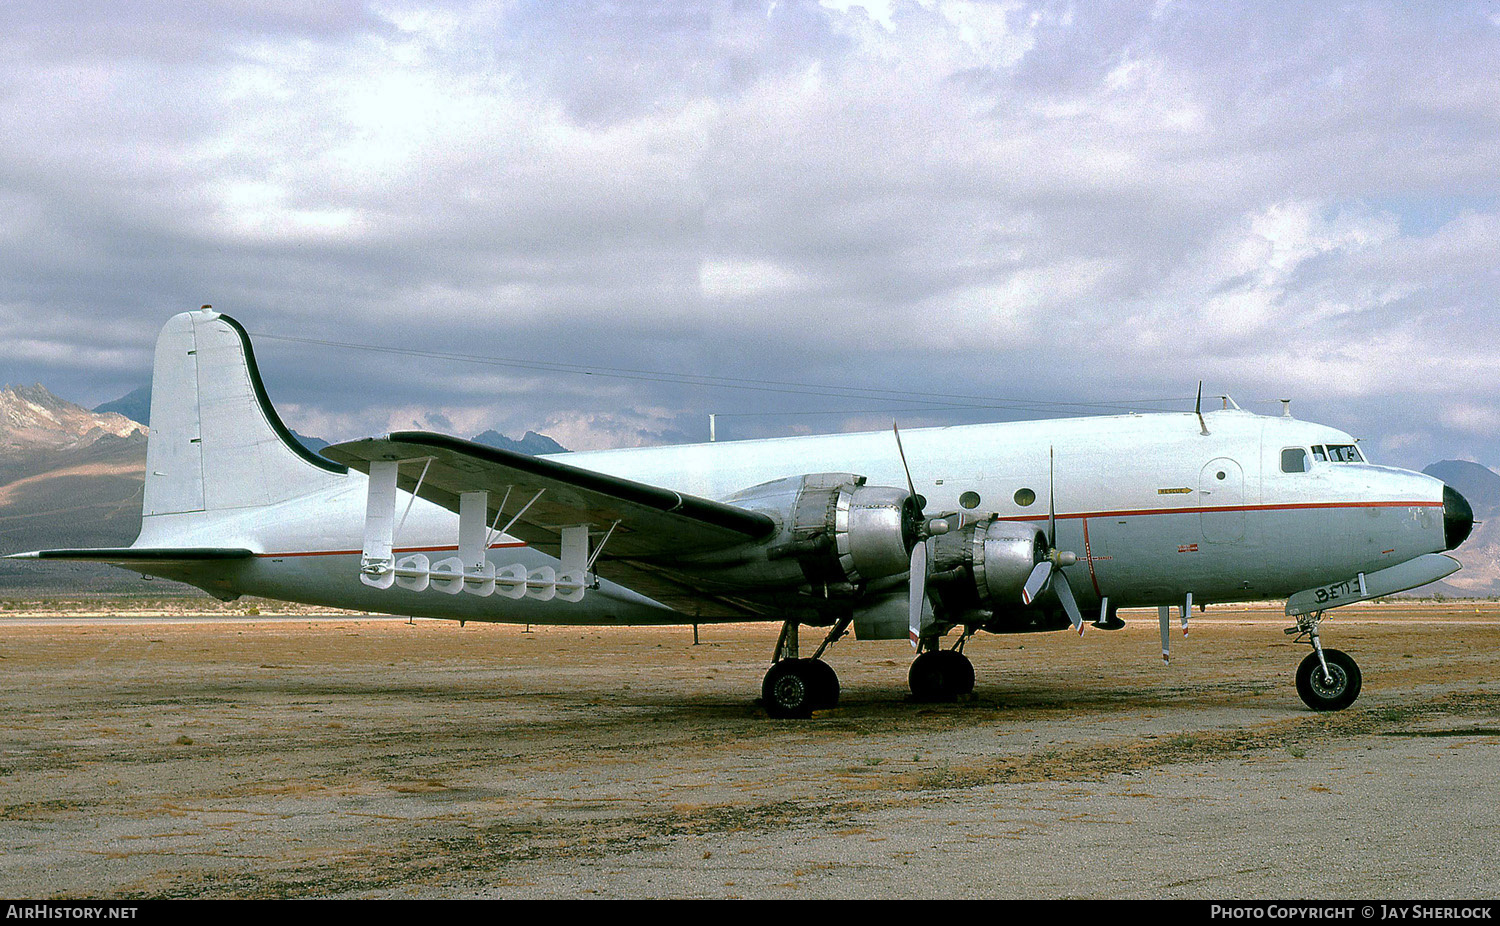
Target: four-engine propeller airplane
x=1006, y=528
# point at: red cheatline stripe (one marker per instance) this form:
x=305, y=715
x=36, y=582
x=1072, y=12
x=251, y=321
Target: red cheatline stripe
x=1123, y=513
x=1130, y=513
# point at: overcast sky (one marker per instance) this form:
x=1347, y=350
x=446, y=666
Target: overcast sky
x=1015, y=203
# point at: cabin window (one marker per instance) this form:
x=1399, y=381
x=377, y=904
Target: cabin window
x=1294, y=460
x=1025, y=497
x=969, y=500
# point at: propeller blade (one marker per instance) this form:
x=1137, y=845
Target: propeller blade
x=1051, y=500
x=910, y=485
x=1064, y=593
x=917, y=592
x=1037, y=581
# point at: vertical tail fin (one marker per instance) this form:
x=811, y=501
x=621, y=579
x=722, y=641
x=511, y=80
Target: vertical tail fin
x=216, y=443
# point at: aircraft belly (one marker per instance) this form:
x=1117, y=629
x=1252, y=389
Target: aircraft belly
x=1159, y=558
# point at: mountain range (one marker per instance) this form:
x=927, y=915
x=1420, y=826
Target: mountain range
x=136, y=406
x=73, y=477
x=1480, y=554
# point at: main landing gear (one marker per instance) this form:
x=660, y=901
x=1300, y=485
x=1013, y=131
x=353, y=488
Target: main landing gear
x=1328, y=679
x=940, y=674
x=797, y=687
x=794, y=687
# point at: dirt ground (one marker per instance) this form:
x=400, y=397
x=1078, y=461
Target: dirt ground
x=239, y=755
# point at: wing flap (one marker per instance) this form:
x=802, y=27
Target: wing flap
x=653, y=522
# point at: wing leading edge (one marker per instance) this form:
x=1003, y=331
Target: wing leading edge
x=125, y=556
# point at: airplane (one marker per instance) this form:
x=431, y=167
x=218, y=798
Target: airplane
x=1006, y=528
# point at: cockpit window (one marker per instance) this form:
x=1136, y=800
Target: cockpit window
x=1337, y=453
x=1294, y=460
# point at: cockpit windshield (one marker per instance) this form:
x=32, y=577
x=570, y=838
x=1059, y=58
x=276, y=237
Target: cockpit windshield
x=1337, y=453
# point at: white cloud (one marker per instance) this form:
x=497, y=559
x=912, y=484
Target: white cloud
x=730, y=279
x=1472, y=418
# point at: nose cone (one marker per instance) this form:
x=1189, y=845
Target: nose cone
x=1458, y=518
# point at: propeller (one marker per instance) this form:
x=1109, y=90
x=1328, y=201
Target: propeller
x=917, y=581
x=1047, y=573
x=918, y=593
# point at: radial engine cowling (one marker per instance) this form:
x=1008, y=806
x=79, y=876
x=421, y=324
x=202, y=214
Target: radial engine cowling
x=987, y=564
x=837, y=530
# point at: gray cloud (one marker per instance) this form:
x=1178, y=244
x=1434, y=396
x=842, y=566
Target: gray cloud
x=1047, y=202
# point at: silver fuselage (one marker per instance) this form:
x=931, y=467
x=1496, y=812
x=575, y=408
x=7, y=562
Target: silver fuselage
x=1155, y=508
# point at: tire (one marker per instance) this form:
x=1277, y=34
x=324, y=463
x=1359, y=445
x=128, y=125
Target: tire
x=940, y=675
x=963, y=673
x=825, y=684
x=925, y=679
x=791, y=689
x=1321, y=696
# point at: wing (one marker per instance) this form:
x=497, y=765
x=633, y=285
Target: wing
x=645, y=523
x=126, y=556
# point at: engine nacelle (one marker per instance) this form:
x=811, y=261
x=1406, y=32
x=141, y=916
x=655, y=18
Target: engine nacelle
x=987, y=564
x=869, y=531
x=833, y=531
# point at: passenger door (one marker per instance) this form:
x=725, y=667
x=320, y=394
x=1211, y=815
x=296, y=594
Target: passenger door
x=1221, y=484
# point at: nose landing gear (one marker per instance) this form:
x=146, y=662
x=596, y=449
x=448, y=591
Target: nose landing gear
x=1328, y=679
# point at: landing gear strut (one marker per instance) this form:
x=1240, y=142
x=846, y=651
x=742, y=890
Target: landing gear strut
x=1328, y=679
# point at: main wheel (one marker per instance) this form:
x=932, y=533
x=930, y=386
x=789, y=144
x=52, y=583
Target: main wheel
x=958, y=671
x=797, y=687
x=940, y=675
x=825, y=685
x=1322, y=695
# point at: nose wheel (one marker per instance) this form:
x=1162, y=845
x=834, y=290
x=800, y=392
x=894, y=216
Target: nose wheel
x=1328, y=679
x=1332, y=689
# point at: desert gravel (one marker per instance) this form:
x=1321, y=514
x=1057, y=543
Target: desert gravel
x=352, y=756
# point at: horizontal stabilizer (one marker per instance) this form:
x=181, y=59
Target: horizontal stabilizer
x=139, y=554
